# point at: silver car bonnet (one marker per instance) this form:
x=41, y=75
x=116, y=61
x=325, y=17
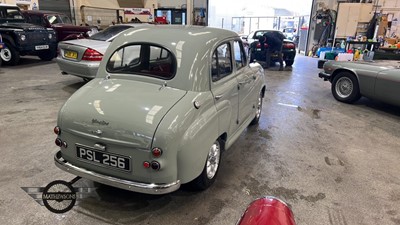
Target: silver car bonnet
x=125, y=113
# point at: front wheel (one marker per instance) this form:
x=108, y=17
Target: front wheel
x=209, y=173
x=9, y=55
x=345, y=87
x=47, y=55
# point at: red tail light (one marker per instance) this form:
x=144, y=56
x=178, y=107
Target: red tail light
x=92, y=55
x=57, y=130
x=289, y=45
x=157, y=152
x=259, y=45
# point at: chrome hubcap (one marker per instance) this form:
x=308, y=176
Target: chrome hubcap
x=213, y=160
x=344, y=87
x=5, y=54
x=259, y=106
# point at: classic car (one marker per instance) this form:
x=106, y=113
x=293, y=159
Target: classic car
x=378, y=80
x=160, y=111
x=60, y=22
x=81, y=57
x=256, y=53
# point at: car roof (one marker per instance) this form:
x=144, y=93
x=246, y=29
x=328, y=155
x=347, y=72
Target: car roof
x=166, y=34
x=192, y=46
x=41, y=12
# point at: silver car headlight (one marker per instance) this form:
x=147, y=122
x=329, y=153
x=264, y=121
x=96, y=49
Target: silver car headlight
x=22, y=37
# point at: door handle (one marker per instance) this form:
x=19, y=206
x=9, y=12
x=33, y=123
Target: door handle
x=243, y=82
x=217, y=97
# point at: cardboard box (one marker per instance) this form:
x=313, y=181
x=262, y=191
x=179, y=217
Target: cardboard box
x=391, y=41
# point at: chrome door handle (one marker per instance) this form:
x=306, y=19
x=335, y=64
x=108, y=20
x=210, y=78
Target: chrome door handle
x=217, y=97
x=243, y=82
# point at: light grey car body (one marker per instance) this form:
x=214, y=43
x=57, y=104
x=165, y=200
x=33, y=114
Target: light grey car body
x=378, y=80
x=130, y=114
x=84, y=68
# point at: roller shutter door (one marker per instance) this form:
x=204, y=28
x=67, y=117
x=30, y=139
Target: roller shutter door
x=61, y=6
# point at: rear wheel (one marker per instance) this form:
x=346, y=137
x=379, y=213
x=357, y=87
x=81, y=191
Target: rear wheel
x=9, y=55
x=209, y=173
x=258, y=112
x=345, y=87
x=289, y=62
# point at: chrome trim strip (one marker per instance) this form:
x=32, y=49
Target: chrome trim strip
x=155, y=189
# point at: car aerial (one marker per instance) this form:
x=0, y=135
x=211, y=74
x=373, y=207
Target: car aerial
x=288, y=50
x=81, y=57
x=160, y=110
x=21, y=38
x=378, y=80
x=60, y=22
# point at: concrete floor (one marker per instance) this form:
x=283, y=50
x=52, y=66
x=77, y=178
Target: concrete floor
x=333, y=163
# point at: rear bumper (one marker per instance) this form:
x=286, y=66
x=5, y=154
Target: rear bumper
x=324, y=76
x=155, y=189
x=80, y=69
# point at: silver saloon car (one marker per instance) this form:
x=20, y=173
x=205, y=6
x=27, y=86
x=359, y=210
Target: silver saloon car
x=81, y=57
x=378, y=80
x=166, y=102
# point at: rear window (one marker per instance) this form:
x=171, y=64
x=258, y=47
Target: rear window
x=108, y=33
x=143, y=59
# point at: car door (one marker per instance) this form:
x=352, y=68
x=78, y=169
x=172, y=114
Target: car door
x=224, y=87
x=246, y=80
x=387, y=86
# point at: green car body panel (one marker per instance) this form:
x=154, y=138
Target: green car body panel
x=130, y=114
x=378, y=80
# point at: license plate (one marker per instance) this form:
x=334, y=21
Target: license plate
x=71, y=54
x=103, y=158
x=41, y=47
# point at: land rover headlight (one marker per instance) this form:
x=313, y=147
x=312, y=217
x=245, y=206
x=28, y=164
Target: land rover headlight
x=50, y=36
x=22, y=37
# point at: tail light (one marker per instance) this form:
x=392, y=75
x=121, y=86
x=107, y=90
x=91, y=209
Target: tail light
x=289, y=45
x=146, y=164
x=58, y=142
x=92, y=55
x=155, y=165
x=157, y=152
x=57, y=130
x=259, y=45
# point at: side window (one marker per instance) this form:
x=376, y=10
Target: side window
x=221, y=62
x=240, y=55
x=36, y=20
x=143, y=59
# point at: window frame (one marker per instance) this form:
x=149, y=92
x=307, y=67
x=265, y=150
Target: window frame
x=219, y=77
x=140, y=73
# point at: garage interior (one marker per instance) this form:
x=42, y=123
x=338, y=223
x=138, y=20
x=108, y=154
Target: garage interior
x=331, y=162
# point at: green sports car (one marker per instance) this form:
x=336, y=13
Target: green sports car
x=378, y=80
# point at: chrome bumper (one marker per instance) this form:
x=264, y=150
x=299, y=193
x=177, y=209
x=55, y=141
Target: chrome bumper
x=156, y=189
x=324, y=76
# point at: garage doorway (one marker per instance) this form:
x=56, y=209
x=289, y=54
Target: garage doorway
x=244, y=17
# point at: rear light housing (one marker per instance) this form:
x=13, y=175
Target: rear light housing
x=289, y=45
x=92, y=55
x=155, y=165
x=58, y=142
x=259, y=45
x=57, y=130
x=156, y=152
